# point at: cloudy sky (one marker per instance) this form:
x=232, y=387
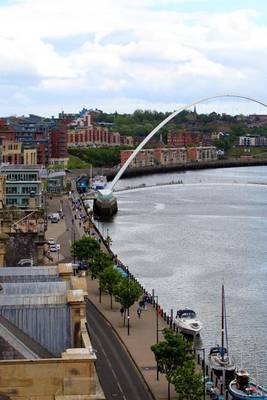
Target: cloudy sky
x=127, y=54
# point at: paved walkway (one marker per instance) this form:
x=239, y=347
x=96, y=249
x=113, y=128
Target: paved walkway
x=143, y=330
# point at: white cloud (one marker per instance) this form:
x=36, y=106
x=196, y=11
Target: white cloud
x=125, y=52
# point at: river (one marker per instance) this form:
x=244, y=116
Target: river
x=185, y=240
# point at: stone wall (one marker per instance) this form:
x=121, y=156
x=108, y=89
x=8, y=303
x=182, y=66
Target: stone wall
x=21, y=245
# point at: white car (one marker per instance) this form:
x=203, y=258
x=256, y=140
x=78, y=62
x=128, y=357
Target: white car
x=54, y=247
x=51, y=241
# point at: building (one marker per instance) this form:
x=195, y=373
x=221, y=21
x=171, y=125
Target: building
x=182, y=139
x=202, y=153
x=30, y=156
x=58, y=151
x=94, y=136
x=252, y=141
x=145, y=158
x=23, y=185
x=45, y=348
x=170, y=156
x=56, y=181
x=11, y=152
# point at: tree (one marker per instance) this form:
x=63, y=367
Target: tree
x=99, y=263
x=85, y=249
x=109, y=278
x=187, y=382
x=170, y=354
x=127, y=292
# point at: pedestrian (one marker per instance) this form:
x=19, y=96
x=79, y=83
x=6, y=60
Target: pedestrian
x=139, y=312
x=121, y=311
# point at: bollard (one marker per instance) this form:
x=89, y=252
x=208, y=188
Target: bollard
x=207, y=370
x=198, y=359
x=211, y=375
x=164, y=316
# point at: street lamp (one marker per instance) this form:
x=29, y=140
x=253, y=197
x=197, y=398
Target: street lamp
x=157, y=323
x=73, y=231
x=203, y=368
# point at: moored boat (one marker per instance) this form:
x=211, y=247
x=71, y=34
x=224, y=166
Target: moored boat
x=98, y=182
x=244, y=388
x=187, y=322
x=219, y=358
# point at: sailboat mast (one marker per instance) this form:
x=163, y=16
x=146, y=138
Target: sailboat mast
x=222, y=321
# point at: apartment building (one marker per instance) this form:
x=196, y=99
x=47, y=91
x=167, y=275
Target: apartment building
x=23, y=185
x=202, y=153
x=169, y=156
x=145, y=158
x=92, y=136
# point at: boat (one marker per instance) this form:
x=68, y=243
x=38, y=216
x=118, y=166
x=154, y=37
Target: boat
x=187, y=322
x=244, y=388
x=98, y=182
x=219, y=359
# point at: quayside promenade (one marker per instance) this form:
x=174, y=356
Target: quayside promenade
x=142, y=331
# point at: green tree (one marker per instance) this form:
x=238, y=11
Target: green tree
x=187, y=382
x=109, y=278
x=85, y=249
x=127, y=292
x=170, y=354
x=99, y=263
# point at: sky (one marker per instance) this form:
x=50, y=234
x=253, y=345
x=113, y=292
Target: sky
x=122, y=55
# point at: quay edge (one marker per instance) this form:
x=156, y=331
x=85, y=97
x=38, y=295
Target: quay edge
x=105, y=204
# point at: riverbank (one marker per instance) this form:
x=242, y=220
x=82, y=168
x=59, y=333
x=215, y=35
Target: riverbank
x=110, y=173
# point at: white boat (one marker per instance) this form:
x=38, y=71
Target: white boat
x=219, y=358
x=187, y=322
x=98, y=182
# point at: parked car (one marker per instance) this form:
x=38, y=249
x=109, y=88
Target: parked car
x=51, y=241
x=54, y=247
x=55, y=217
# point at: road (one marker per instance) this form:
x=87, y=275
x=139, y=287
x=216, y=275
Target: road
x=117, y=373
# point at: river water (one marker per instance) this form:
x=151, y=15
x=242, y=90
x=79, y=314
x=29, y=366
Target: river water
x=185, y=240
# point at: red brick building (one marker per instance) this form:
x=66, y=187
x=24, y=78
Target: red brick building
x=95, y=136
x=181, y=139
x=58, y=153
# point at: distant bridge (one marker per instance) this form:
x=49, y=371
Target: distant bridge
x=164, y=122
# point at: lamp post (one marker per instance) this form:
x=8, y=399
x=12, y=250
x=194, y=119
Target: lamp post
x=74, y=237
x=203, y=368
x=157, y=323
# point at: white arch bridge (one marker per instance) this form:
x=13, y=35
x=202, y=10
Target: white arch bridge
x=105, y=196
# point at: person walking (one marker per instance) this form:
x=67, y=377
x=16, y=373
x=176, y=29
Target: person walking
x=139, y=312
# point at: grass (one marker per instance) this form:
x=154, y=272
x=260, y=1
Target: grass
x=77, y=163
x=240, y=151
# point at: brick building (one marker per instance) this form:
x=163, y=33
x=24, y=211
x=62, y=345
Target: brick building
x=181, y=139
x=169, y=156
x=95, y=136
x=58, y=153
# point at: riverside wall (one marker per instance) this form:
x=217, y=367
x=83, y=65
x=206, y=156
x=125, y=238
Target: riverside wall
x=166, y=318
x=159, y=169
